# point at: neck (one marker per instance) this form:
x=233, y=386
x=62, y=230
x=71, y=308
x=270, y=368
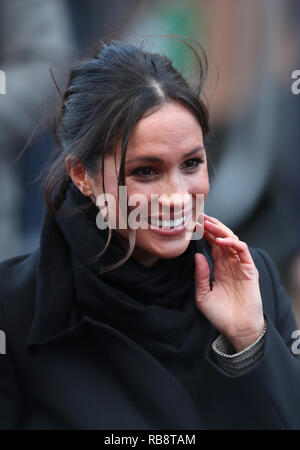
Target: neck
x=145, y=258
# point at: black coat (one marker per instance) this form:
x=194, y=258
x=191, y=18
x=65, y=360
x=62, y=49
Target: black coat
x=84, y=373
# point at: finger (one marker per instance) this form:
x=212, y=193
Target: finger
x=209, y=219
x=233, y=253
x=201, y=277
x=216, y=250
x=210, y=237
x=212, y=219
x=216, y=221
x=218, y=230
x=240, y=246
x=206, y=216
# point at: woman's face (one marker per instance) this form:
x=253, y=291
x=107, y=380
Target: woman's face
x=168, y=135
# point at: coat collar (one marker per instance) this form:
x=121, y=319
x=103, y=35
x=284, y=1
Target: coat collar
x=54, y=318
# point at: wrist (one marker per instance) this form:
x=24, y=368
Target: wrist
x=243, y=341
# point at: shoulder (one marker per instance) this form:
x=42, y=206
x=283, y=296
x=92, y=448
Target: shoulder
x=263, y=261
x=276, y=301
x=268, y=273
x=17, y=288
x=17, y=273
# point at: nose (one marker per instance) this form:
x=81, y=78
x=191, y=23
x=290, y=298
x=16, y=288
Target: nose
x=175, y=204
x=175, y=197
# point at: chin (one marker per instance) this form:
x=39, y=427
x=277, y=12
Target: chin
x=166, y=248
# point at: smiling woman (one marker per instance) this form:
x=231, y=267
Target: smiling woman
x=141, y=328
x=141, y=110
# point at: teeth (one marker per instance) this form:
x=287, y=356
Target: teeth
x=167, y=223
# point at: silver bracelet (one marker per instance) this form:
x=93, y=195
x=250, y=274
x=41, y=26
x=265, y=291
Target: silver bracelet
x=241, y=362
x=226, y=355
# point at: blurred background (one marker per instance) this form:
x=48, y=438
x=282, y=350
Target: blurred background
x=253, y=46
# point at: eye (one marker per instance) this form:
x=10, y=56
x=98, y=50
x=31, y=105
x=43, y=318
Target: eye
x=194, y=162
x=143, y=171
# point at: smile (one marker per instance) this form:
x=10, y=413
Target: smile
x=166, y=223
x=169, y=228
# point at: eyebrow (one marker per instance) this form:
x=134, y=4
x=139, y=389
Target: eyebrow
x=157, y=159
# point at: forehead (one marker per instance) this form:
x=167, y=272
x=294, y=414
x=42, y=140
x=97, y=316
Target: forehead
x=172, y=126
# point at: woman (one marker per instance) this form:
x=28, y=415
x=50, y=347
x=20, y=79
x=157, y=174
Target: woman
x=151, y=327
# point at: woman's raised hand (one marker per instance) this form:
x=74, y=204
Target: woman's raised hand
x=234, y=304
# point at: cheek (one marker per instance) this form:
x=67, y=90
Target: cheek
x=205, y=187
x=203, y=182
x=135, y=191
x=199, y=184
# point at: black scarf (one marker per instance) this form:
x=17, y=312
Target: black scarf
x=156, y=302
x=155, y=307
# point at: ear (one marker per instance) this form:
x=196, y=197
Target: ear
x=78, y=174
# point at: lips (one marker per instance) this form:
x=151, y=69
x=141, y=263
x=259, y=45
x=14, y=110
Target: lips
x=166, y=223
x=170, y=224
x=171, y=231
x=170, y=216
